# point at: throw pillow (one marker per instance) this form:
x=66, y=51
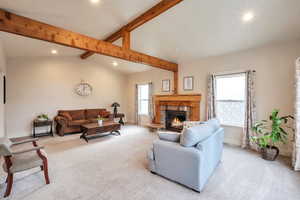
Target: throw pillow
x=169, y=136
x=105, y=114
x=66, y=115
x=192, y=136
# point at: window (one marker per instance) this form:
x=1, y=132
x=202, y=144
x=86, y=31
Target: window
x=143, y=99
x=230, y=99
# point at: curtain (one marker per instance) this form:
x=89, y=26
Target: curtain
x=211, y=98
x=296, y=152
x=136, y=105
x=151, y=111
x=250, y=110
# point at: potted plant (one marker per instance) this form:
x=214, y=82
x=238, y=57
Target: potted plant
x=269, y=133
x=100, y=120
x=42, y=117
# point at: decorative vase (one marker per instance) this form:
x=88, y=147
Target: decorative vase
x=100, y=122
x=270, y=153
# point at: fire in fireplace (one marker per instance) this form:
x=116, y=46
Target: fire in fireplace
x=175, y=119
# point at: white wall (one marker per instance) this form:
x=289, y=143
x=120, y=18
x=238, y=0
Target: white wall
x=45, y=85
x=274, y=65
x=2, y=106
x=155, y=76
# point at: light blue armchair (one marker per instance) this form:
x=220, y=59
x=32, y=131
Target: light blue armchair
x=191, y=161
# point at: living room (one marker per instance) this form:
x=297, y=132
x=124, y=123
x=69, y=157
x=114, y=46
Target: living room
x=234, y=61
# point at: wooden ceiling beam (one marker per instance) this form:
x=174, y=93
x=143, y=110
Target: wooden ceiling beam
x=27, y=27
x=156, y=10
x=126, y=40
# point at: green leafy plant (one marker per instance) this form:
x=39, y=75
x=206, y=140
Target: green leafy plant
x=272, y=131
x=99, y=118
x=43, y=116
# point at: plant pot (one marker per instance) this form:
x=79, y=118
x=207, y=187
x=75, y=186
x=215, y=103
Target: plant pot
x=270, y=153
x=42, y=119
x=100, y=122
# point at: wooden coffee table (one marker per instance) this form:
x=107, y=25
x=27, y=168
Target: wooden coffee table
x=93, y=130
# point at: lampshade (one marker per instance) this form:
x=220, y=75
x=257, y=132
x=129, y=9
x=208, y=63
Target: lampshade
x=115, y=104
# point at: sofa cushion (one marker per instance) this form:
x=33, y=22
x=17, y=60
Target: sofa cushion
x=93, y=113
x=66, y=115
x=192, y=136
x=104, y=114
x=169, y=136
x=77, y=114
x=78, y=122
x=215, y=123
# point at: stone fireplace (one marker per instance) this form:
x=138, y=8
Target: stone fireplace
x=182, y=107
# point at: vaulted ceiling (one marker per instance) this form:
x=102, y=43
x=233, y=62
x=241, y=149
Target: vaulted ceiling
x=191, y=30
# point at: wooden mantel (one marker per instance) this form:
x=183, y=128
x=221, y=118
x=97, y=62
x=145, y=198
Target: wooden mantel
x=190, y=100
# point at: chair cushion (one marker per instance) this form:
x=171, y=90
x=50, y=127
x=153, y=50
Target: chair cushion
x=192, y=136
x=25, y=161
x=169, y=136
x=78, y=122
x=5, y=145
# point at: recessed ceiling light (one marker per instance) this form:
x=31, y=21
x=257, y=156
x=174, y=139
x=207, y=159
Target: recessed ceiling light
x=53, y=51
x=95, y=1
x=248, y=16
x=115, y=63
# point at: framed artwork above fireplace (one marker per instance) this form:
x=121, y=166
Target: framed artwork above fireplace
x=166, y=85
x=188, y=83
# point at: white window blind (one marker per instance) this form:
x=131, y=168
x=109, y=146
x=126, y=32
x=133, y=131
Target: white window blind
x=230, y=99
x=143, y=99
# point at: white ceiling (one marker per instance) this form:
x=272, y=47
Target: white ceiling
x=191, y=30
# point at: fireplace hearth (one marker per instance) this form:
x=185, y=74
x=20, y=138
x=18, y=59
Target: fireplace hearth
x=174, y=120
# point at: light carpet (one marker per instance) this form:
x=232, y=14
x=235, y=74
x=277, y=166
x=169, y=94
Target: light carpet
x=115, y=168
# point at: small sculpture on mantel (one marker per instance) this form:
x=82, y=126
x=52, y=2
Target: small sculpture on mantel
x=115, y=105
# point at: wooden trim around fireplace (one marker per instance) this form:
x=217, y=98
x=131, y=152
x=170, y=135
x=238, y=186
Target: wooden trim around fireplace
x=190, y=100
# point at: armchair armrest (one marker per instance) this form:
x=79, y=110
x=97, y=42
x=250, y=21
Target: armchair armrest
x=27, y=150
x=25, y=141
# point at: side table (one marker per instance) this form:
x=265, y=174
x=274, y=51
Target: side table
x=37, y=124
x=121, y=116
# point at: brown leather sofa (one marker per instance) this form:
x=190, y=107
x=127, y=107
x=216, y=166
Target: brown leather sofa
x=70, y=121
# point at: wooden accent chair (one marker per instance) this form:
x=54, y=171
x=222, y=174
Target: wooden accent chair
x=21, y=160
